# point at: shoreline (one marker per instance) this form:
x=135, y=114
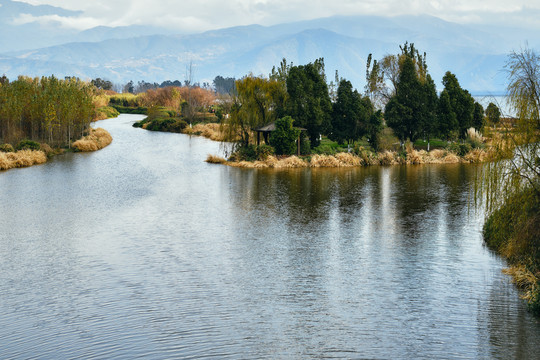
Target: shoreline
x=386, y=158
x=97, y=139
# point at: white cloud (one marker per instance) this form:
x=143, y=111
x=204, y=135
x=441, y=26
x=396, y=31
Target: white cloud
x=211, y=14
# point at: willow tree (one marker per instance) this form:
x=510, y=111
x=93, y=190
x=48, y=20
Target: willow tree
x=509, y=186
x=253, y=105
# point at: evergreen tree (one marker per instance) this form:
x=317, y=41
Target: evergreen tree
x=493, y=113
x=405, y=111
x=308, y=100
x=461, y=102
x=448, y=124
x=346, y=114
x=478, y=116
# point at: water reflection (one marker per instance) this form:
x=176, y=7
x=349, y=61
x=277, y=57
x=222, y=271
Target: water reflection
x=144, y=250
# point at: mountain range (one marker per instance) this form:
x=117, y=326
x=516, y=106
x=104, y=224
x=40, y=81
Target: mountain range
x=476, y=54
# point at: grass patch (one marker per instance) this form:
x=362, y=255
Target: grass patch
x=95, y=140
x=22, y=158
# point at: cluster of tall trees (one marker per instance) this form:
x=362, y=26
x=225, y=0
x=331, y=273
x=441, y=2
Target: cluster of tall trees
x=412, y=107
x=301, y=93
x=46, y=110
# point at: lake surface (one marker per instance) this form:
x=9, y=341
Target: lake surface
x=144, y=250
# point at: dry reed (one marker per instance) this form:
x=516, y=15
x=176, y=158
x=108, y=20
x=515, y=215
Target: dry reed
x=22, y=158
x=96, y=139
x=211, y=131
x=215, y=159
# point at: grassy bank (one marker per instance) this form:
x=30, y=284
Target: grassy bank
x=39, y=153
x=513, y=231
x=363, y=158
x=95, y=140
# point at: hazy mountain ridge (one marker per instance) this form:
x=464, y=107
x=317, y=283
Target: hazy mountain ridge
x=474, y=55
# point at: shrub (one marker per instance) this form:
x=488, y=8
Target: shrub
x=263, y=151
x=459, y=149
x=244, y=153
x=283, y=139
x=6, y=148
x=305, y=146
x=28, y=145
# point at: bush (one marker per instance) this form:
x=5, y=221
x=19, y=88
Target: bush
x=27, y=145
x=283, y=139
x=166, y=124
x=264, y=151
x=324, y=150
x=459, y=149
x=244, y=153
x=305, y=146
x=6, y=148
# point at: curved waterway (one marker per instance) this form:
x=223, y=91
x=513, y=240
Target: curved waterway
x=144, y=250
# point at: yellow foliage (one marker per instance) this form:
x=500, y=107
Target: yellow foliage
x=96, y=139
x=22, y=158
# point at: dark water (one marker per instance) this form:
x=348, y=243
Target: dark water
x=144, y=250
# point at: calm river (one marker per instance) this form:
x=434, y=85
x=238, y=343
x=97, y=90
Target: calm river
x=144, y=250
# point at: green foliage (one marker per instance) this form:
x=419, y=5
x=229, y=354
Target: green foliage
x=130, y=110
x=244, y=153
x=405, y=111
x=461, y=103
x=254, y=105
x=6, y=148
x=263, y=151
x=28, y=145
x=283, y=139
x=309, y=102
x=107, y=112
x=46, y=110
x=460, y=149
x=493, y=114
x=448, y=123
x=305, y=146
x=352, y=115
x=478, y=116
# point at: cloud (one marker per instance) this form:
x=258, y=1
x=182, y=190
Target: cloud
x=203, y=15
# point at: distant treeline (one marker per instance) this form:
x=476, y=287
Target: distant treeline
x=220, y=85
x=47, y=110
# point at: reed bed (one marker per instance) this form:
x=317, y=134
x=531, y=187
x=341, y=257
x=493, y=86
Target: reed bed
x=22, y=158
x=96, y=139
x=413, y=157
x=215, y=159
x=211, y=131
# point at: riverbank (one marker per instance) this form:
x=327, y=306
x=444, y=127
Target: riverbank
x=96, y=139
x=365, y=158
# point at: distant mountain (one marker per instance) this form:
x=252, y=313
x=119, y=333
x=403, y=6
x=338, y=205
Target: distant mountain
x=20, y=27
x=475, y=54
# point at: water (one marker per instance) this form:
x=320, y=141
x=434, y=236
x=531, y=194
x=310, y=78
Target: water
x=144, y=250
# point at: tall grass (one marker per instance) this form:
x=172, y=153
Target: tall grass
x=96, y=139
x=22, y=158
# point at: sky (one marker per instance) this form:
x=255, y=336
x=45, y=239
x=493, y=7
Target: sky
x=200, y=15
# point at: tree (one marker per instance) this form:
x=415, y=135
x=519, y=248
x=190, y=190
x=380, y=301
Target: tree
x=224, y=85
x=461, y=102
x=509, y=186
x=478, y=116
x=429, y=121
x=308, y=100
x=284, y=138
x=102, y=84
x=253, y=106
x=448, y=124
x=405, y=111
x=346, y=114
x=493, y=114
